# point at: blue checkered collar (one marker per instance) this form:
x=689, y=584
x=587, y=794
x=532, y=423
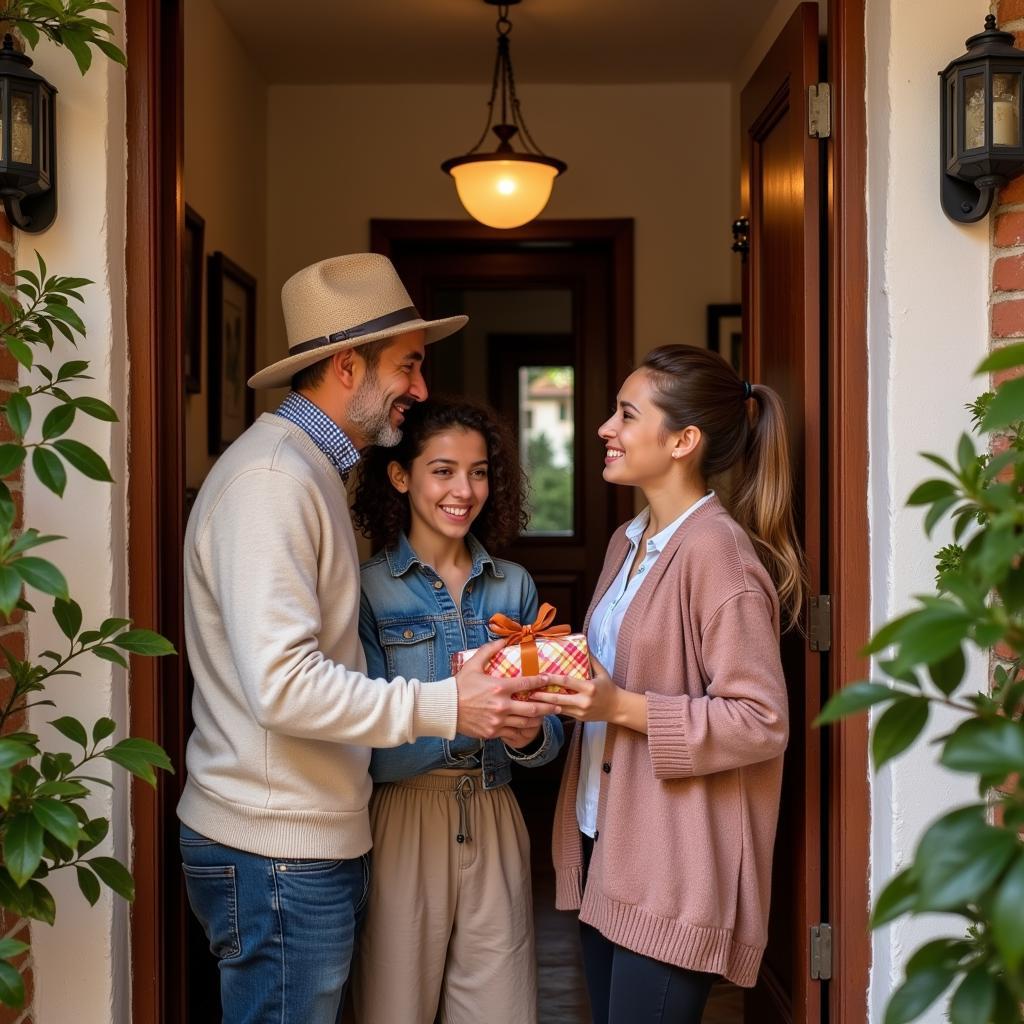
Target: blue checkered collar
x=322, y=430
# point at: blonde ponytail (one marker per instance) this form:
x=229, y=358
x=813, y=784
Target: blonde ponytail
x=698, y=387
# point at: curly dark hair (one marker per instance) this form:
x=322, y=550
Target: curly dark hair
x=382, y=513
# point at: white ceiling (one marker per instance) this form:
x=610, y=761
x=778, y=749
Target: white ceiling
x=585, y=41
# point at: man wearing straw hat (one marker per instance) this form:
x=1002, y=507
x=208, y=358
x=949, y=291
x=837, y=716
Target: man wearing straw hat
x=275, y=830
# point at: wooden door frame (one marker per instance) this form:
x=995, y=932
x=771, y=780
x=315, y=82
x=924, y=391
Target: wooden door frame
x=156, y=431
x=155, y=460
x=849, y=563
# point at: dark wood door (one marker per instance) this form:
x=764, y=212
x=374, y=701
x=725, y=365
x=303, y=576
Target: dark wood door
x=781, y=189
x=542, y=348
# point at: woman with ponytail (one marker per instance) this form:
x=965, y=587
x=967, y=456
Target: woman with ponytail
x=667, y=811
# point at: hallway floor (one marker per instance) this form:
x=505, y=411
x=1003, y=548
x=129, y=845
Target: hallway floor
x=562, y=994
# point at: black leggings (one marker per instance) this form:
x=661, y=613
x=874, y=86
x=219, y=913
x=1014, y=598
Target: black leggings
x=627, y=988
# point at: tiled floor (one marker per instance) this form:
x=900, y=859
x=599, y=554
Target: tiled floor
x=561, y=991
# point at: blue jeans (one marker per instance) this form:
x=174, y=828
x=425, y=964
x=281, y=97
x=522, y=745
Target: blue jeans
x=283, y=930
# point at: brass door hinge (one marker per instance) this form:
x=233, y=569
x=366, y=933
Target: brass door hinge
x=819, y=111
x=821, y=952
x=819, y=623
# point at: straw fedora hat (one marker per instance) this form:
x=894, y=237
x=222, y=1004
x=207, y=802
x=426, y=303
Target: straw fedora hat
x=342, y=303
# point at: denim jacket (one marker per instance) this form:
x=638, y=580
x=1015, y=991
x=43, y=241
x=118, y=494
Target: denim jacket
x=410, y=627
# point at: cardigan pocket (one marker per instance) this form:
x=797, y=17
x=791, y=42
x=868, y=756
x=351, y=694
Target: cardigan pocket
x=409, y=649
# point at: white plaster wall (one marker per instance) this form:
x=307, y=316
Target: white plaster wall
x=928, y=330
x=663, y=154
x=82, y=963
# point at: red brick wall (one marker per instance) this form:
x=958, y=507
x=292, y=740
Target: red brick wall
x=12, y=635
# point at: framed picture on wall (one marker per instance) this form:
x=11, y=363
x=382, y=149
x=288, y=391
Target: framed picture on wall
x=231, y=341
x=725, y=332
x=192, y=299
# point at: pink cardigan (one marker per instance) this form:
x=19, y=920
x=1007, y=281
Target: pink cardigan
x=681, y=870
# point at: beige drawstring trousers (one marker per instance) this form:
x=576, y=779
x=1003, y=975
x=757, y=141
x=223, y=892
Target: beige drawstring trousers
x=449, y=922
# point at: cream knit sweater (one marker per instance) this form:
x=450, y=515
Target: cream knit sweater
x=284, y=716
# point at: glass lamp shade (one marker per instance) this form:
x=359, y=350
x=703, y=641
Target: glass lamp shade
x=503, y=193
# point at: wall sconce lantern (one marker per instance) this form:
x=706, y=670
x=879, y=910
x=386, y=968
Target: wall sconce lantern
x=981, y=126
x=506, y=187
x=28, y=173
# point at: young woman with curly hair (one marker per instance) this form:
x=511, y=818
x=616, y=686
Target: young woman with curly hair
x=449, y=922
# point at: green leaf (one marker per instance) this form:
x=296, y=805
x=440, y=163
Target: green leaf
x=948, y=673
x=1005, y=358
x=5, y=788
x=103, y=728
x=110, y=654
x=12, y=986
x=19, y=414
x=897, y=898
x=115, y=875
x=938, y=953
x=58, y=820
x=959, y=858
x=936, y=512
x=10, y=589
x=1008, y=916
x=88, y=884
x=11, y=458
x=931, y=490
x=64, y=787
x=144, y=641
x=42, y=575
x=97, y=409
x=84, y=459
x=139, y=756
x=853, y=698
x=19, y=350
x=13, y=751
x=73, y=729
x=965, y=453
x=109, y=626
x=916, y=994
x=10, y=948
x=111, y=51
x=898, y=727
x=58, y=421
x=1006, y=407
x=990, y=746
x=50, y=470
x=69, y=617
x=23, y=847
x=975, y=998
x=72, y=369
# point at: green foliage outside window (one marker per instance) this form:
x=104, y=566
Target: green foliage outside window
x=550, y=489
x=969, y=863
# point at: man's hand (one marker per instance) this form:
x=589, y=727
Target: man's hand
x=486, y=707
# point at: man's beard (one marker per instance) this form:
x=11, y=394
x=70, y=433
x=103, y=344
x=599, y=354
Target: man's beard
x=370, y=417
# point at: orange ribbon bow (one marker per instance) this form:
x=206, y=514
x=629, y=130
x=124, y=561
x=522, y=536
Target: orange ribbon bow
x=526, y=636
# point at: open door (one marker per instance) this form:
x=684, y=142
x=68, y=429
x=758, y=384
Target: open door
x=781, y=184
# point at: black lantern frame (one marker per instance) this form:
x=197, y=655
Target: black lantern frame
x=982, y=146
x=512, y=123
x=28, y=142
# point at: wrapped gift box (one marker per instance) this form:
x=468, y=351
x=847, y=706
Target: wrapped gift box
x=559, y=656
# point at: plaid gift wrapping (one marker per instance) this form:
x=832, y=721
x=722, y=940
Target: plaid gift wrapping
x=566, y=655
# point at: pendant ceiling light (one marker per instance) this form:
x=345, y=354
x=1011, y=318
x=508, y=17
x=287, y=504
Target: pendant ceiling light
x=505, y=187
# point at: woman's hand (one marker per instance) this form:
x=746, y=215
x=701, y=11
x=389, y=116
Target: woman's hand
x=598, y=699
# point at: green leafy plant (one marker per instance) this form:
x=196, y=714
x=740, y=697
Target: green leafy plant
x=44, y=823
x=68, y=23
x=970, y=862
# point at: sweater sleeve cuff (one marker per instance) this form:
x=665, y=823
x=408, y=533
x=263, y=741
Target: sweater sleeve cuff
x=437, y=709
x=666, y=739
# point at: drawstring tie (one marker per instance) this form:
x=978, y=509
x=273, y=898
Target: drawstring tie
x=463, y=792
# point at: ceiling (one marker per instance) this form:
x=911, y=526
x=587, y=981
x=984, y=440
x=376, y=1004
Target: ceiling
x=580, y=41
